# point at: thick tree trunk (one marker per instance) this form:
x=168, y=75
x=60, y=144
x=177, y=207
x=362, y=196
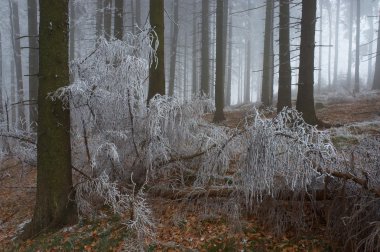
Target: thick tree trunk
x=220, y=62
x=157, y=69
x=376, y=79
x=194, y=67
x=1, y=81
x=55, y=206
x=336, y=45
x=173, y=51
x=285, y=72
x=305, y=96
x=118, y=19
x=330, y=47
x=107, y=19
x=357, y=53
x=266, y=84
x=33, y=62
x=21, y=123
x=205, y=57
x=350, y=31
x=229, y=64
x=320, y=45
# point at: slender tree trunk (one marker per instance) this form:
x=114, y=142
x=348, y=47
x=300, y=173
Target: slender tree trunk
x=285, y=72
x=336, y=53
x=220, y=62
x=370, y=50
x=185, y=59
x=157, y=69
x=357, y=53
x=99, y=18
x=55, y=206
x=376, y=79
x=72, y=30
x=320, y=45
x=305, y=96
x=173, y=51
x=229, y=64
x=330, y=46
x=13, y=95
x=194, y=75
x=267, y=67
x=1, y=80
x=118, y=19
x=33, y=62
x=18, y=62
x=205, y=57
x=247, y=82
x=107, y=19
x=350, y=31
x=133, y=16
x=241, y=74
x=138, y=13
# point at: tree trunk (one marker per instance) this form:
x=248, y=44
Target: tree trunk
x=33, y=62
x=118, y=19
x=173, y=51
x=220, y=62
x=350, y=31
x=15, y=28
x=376, y=79
x=185, y=59
x=357, y=53
x=1, y=80
x=55, y=206
x=247, y=81
x=194, y=67
x=370, y=49
x=99, y=18
x=336, y=52
x=320, y=46
x=330, y=46
x=305, y=96
x=285, y=72
x=138, y=13
x=107, y=19
x=157, y=69
x=205, y=57
x=13, y=95
x=229, y=64
x=267, y=66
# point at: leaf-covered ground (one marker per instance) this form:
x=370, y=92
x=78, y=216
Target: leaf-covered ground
x=177, y=229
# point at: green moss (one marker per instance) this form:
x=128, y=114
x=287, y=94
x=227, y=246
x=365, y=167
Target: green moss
x=344, y=141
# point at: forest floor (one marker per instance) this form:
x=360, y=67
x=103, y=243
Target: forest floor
x=177, y=229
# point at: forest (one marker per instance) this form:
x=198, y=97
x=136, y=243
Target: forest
x=178, y=125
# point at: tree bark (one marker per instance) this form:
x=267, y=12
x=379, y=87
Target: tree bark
x=33, y=62
x=220, y=63
x=305, y=96
x=99, y=18
x=205, y=57
x=55, y=206
x=118, y=19
x=157, y=69
x=266, y=84
x=107, y=19
x=357, y=53
x=376, y=79
x=229, y=64
x=285, y=72
x=173, y=51
x=320, y=46
x=336, y=45
x=330, y=46
x=194, y=67
x=350, y=31
x=370, y=49
x=15, y=28
x=138, y=13
x=1, y=80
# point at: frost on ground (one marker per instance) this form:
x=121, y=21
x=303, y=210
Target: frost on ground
x=125, y=152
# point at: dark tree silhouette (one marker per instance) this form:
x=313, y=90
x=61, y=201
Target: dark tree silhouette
x=205, y=64
x=305, y=96
x=55, y=204
x=157, y=69
x=118, y=19
x=376, y=79
x=173, y=51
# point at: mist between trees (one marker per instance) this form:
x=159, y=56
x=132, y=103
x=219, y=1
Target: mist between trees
x=111, y=103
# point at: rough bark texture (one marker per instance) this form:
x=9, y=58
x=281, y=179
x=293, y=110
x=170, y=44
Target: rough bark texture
x=266, y=84
x=18, y=63
x=118, y=19
x=55, y=194
x=220, y=63
x=205, y=57
x=305, y=96
x=376, y=79
x=173, y=51
x=107, y=19
x=157, y=70
x=285, y=72
x=336, y=44
x=229, y=64
x=33, y=62
x=357, y=53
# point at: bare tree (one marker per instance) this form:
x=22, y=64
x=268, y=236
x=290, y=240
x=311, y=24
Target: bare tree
x=336, y=45
x=376, y=79
x=173, y=51
x=357, y=53
x=350, y=31
x=205, y=55
x=118, y=19
x=107, y=19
